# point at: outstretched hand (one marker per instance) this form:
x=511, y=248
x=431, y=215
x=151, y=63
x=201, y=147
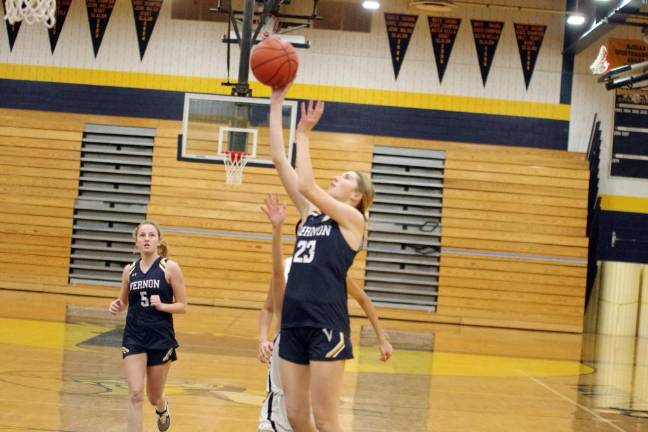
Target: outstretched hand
x=386, y=350
x=310, y=115
x=279, y=93
x=275, y=210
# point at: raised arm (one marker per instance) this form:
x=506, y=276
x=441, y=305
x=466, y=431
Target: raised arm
x=368, y=307
x=265, y=320
x=278, y=150
x=276, y=213
x=345, y=215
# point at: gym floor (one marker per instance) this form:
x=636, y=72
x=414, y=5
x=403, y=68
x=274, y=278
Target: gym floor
x=62, y=371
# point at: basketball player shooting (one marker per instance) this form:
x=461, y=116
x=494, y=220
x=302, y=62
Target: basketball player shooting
x=273, y=415
x=315, y=330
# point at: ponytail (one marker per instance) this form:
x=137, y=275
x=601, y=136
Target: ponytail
x=365, y=187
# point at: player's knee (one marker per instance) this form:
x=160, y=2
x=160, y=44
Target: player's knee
x=298, y=418
x=327, y=425
x=155, y=399
x=326, y=421
x=136, y=396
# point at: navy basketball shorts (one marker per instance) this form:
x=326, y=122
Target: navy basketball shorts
x=153, y=357
x=305, y=344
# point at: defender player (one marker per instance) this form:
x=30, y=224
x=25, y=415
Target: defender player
x=315, y=321
x=273, y=412
x=153, y=289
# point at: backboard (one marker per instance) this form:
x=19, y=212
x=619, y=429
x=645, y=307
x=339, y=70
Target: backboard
x=215, y=124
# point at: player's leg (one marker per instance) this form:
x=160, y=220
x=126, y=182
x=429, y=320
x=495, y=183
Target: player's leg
x=326, y=388
x=265, y=417
x=295, y=376
x=157, y=372
x=135, y=368
x=295, y=380
x=328, y=351
x=273, y=416
x=280, y=416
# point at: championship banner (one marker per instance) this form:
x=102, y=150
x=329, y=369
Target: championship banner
x=12, y=29
x=62, y=8
x=487, y=35
x=146, y=13
x=444, y=33
x=400, y=28
x=630, y=142
x=529, y=40
x=98, y=15
x=626, y=51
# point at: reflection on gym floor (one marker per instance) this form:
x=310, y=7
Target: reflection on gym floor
x=61, y=371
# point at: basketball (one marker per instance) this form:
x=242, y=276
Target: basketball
x=274, y=62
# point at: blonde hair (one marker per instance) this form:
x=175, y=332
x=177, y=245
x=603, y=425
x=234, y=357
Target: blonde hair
x=163, y=249
x=366, y=188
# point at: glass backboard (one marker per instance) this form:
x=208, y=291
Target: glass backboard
x=215, y=124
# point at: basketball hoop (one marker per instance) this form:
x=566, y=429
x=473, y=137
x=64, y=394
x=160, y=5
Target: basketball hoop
x=31, y=11
x=601, y=64
x=234, y=162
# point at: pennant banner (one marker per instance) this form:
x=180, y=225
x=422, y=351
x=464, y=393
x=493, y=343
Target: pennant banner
x=62, y=8
x=146, y=14
x=98, y=15
x=529, y=39
x=444, y=33
x=400, y=28
x=487, y=35
x=12, y=29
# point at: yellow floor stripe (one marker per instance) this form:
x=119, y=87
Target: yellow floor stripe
x=454, y=364
x=45, y=334
x=57, y=335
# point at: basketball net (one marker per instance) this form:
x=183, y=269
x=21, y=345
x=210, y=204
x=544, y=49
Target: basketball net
x=271, y=26
x=601, y=64
x=234, y=162
x=31, y=11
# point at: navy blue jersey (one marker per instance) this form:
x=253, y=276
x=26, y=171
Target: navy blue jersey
x=316, y=294
x=146, y=326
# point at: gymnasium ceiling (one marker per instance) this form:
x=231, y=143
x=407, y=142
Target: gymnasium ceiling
x=349, y=15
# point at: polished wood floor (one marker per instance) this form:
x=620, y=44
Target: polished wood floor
x=61, y=370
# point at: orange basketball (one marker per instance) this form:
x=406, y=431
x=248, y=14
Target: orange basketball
x=274, y=62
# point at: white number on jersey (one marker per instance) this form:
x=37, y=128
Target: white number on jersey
x=145, y=301
x=305, y=251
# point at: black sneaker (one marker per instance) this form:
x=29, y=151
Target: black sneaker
x=163, y=418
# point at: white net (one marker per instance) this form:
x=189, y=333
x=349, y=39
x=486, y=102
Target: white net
x=234, y=162
x=601, y=64
x=31, y=11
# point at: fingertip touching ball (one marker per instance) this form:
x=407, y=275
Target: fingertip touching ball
x=274, y=62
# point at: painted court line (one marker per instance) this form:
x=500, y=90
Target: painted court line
x=583, y=407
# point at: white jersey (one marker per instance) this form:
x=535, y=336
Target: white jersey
x=273, y=415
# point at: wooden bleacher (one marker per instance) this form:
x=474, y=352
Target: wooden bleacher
x=497, y=200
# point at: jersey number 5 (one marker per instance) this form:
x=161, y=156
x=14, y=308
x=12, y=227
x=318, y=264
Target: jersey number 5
x=144, y=301
x=305, y=251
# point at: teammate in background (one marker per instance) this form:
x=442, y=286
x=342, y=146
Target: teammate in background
x=273, y=412
x=153, y=289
